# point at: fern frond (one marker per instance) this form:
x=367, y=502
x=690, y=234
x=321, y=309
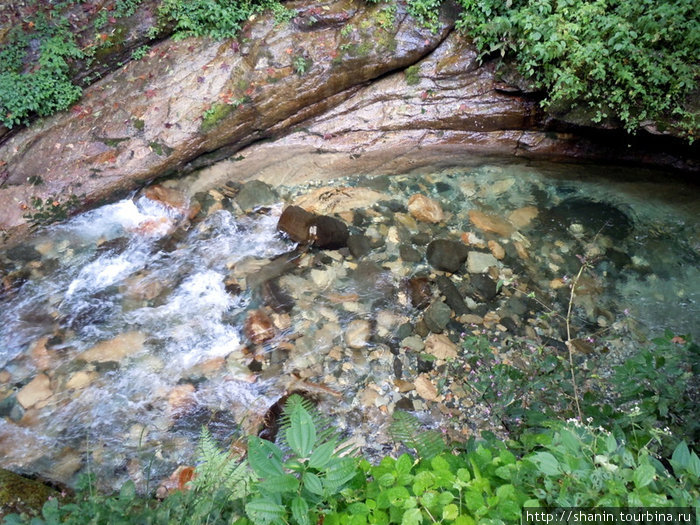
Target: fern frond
x=216, y=469
x=406, y=429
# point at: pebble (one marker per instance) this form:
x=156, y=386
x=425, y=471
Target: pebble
x=425, y=209
x=488, y=222
x=440, y=346
x=115, y=349
x=479, y=262
x=497, y=250
x=357, y=333
x=446, y=255
x=436, y=316
x=38, y=389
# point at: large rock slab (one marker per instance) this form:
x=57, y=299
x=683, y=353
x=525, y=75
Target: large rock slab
x=192, y=97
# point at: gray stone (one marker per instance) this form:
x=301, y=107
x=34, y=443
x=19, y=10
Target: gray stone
x=255, y=193
x=359, y=245
x=479, y=262
x=446, y=255
x=409, y=253
x=436, y=316
x=453, y=297
x=483, y=288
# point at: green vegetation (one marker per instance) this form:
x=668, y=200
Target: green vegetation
x=216, y=18
x=50, y=210
x=634, y=61
x=309, y=476
x=46, y=87
x=301, y=65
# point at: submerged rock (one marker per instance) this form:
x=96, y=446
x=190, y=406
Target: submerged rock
x=436, y=316
x=259, y=327
x=295, y=222
x=328, y=233
x=446, y=255
x=419, y=291
x=596, y=217
x=255, y=193
x=425, y=209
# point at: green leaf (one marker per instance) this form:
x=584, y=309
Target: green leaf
x=264, y=457
x=321, y=455
x=280, y=483
x=412, y=517
x=301, y=435
x=312, y=483
x=547, y=463
x=128, y=491
x=450, y=512
x=300, y=511
x=681, y=455
x=694, y=465
x=263, y=511
x=404, y=464
x=643, y=475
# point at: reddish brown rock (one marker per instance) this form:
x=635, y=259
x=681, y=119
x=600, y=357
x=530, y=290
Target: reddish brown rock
x=259, y=327
x=489, y=222
x=295, y=222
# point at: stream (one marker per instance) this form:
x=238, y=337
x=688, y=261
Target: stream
x=129, y=327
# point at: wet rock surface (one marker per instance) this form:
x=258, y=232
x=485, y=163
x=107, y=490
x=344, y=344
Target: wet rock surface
x=243, y=314
x=190, y=103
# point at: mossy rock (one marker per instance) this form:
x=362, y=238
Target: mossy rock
x=22, y=495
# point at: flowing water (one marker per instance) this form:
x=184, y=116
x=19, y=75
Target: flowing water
x=123, y=329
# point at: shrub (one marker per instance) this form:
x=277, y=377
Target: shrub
x=631, y=60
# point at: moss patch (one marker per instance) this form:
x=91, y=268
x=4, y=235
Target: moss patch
x=215, y=114
x=22, y=495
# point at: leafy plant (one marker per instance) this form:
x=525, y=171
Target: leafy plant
x=301, y=65
x=634, y=61
x=299, y=485
x=213, y=18
x=659, y=387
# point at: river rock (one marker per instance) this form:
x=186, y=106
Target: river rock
x=409, y=253
x=255, y=193
x=483, y=288
x=181, y=399
x=275, y=297
x=38, y=389
x=436, y=316
x=115, y=349
x=328, y=233
x=425, y=388
x=357, y=333
x=359, y=245
x=522, y=217
x=413, y=343
x=497, y=250
x=172, y=198
x=446, y=255
x=425, y=209
x=333, y=199
x=479, y=262
x=295, y=222
x=452, y=295
x=258, y=327
x=81, y=379
x=440, y=346
x=419, y=291
x=488, y=222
